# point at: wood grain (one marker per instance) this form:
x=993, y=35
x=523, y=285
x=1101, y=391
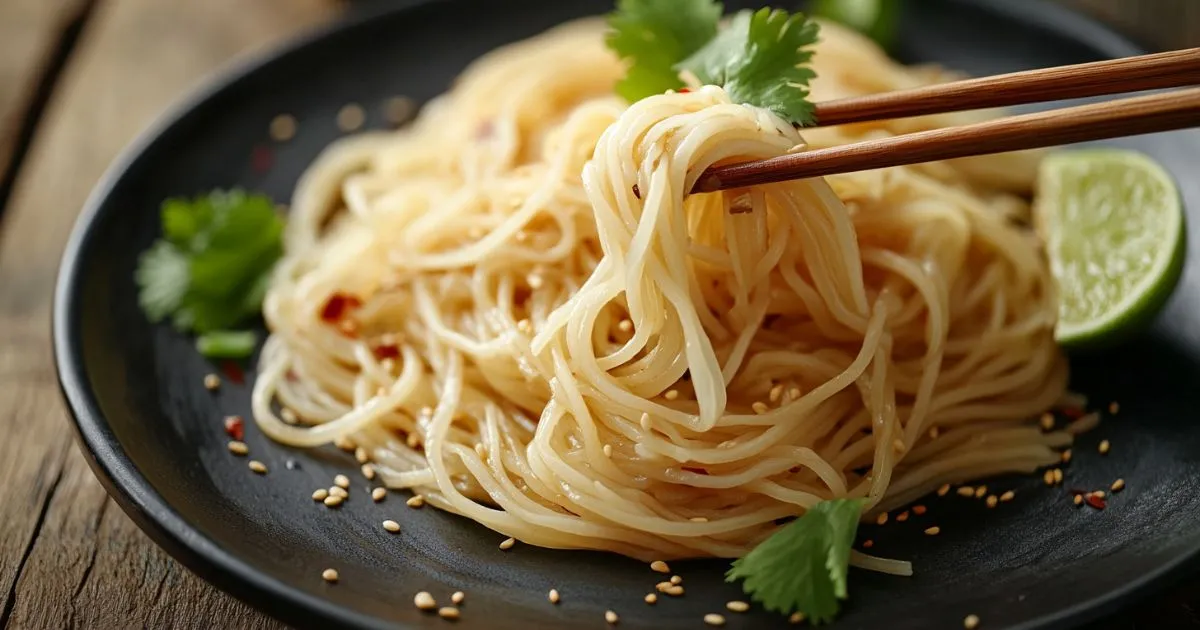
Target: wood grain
x=68, y=557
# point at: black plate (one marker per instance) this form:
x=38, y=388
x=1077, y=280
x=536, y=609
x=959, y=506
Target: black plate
x=153, y=434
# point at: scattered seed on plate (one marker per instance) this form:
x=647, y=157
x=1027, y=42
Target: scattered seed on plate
x=933, y=531
x=737, y=606
x=360, y=455
x=901, y=517
x=671, y=394
x=971, y=622
x=391, y=526
x=918, y=509
x=611, y=617
x=508, y=543
x=342, y=481
x=713, y=619
x=338, y=491
x=944, y=490
x=368, y=471
x=319, y=494
x=992, y=500
x=258, y=467
x=283, y=128
x=933, y=433
x=238, y=448
x=867, y=544
x=674, y=590
x=448, y=612
x=650, y=598
x=659, y=566
x=1105, y=447
x=1048, y=477
x=457, y=597
x=351, y=117
x=776, y=393
x=424, y=601
x=333, y=500
x=796, y=618
x=1007, y=496
x=1113, y=407
x=378, y=494
x=1098, y=494
x=212, y=382
x=1047, y=421
x=675, y=579
x=662, y=587
x=608, y=450
x=980, y=491
x=553, y=596
x=966, y=491
x=1118, y=485
x=1066, y=456
x=345, y=443
x=881, y=519
x=760, y=407
x=415, y=501
x=329, y=575
x=1078, y=499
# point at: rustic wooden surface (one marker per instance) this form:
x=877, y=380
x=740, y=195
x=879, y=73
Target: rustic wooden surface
x=68, y=556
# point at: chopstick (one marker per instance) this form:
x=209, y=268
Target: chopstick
x=1176, y=68
x=1123, y=117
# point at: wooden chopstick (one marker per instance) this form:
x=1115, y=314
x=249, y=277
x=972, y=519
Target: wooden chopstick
x=1123, y=117
x=1176, y=68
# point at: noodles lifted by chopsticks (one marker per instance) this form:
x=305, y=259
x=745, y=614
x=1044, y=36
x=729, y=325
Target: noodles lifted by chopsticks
x=515, y=307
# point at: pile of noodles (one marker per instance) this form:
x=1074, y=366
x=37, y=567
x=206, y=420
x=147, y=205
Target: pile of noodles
x=517, y=310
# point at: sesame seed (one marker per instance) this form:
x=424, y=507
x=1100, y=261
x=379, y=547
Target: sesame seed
x=1048, y=477
x=713, y=619
x=458, y=597
x=480, y=450
x=338, y=491
x=881, y=519
x=391, y=526
x=428, y=411
x=1066, y=456
x=794, y=393
x=611, y=617
x=662, y=587
x=319, y=494
x=329, y=575
x=508, y=543
x=659, y=566
x=288, y=416
x=1078, y=499
x=360, y=454
x=282, y=128
x=992, y=500
x=944, y=490
x=525, y=326
x=351, y=117
x=342, y=481
x=1099, y=494
x=933, y=433
x=1113, y=407
x=415, y=501
x=933, y=531
x=333, y=500
x=448, y=612
x=1105, y=447
x=776, y=393
x=918, y=509
x=971, y=622
x=674, y=591
x=535, y=281
x=1058, y=475
x=413, y=440
x=737, y=606
x=553, y=596
x=424, y=601
x=980, y=491
x=675, y=580
x=238, y=448
x=867, y=544
x=650, y=598
x=367, y=471
x=1118, y=485
x=644, y=421
x=902, y=517
x=212, y=382
x=966, y=491
x=1007, y=496
x=608, y=450
x=1047, y=421
x=760, y=407
x=378, y=494
x=522, y=236
x=258, y=467
x=624, y=325
x=698, y=519
x=671, y=394
x=345, y=443
x=796, y=618
x=898, y=445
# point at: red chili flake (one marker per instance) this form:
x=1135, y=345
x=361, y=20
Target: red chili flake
x=261, y=159
x=1073, y=412
x=235, y=427
x=233, y=372
x=386, y=351
x=684, y=90
x=637, y=192
x=291, y=376
x=337, y=306
x=1095, y=501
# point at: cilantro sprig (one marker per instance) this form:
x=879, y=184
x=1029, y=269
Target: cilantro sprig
x=209, y=272
x=803, y=566
x=759, y=58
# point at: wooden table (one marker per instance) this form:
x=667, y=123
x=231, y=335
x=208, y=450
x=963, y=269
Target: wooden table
x=78, y=79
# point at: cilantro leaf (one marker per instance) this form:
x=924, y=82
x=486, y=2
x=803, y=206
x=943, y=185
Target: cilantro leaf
x=162, y=277
x=802, y=567
x=655, y=35
x=760, y=60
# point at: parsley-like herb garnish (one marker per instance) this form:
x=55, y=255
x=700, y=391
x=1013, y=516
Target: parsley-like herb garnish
x=802, y=567
x=654, y=36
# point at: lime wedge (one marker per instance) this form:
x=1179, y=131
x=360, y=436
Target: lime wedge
x=1114, y=230
x=874, y=18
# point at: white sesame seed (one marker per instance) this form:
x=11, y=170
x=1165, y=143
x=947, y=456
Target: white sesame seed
x=342, y=481
x=535, y=281
x=901, y=517
x=933, y=531
x=391, y=526
x=258, y=467
x=351, y=117
x=333, y=500
x=796, y=618
x=966, y=491
x=378, y=494
x=1048, y=477
x=881, y=519
x=553, y=596
x=662, y=587
x=608, y=450
x=212, y=382
x=329, y=575
x=415, y=501
x=345, y=443
x=611, y=617
x=1105, y=447
x=737, y=606
x=674, y=591
x=624, y=325
x=448, y=612
x=776, y=393
x=898, y=445
x=288, y=416
x=368, y=471
x=760, y=407
x=238, y=448
x=424, y=601
x=1118, y=485
x=980, y=491
x=319, y=494
x=283, y=128
x=659, y=566
x=698, y=519
x=457, y=597
x=971, y=622
x=794, y=393
x=338, y=491
x=644, y=421
x=1058, y=475
x=360, y=454
x=992, y=500
x=508, y=543
x=676, y=580
x=650, y=598
x=1007, y=496
x=1099, y=494
x=1078, y=499
x=671, y=394
x=944, y=490
x=1047, y=422
x=1066, y=456
x=713, y=619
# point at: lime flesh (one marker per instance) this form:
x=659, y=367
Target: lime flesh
x=1114, y=231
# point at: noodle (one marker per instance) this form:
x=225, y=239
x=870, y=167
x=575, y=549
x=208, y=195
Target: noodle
x=549, y=336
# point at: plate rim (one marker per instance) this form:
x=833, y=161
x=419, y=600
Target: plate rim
x=132, y=491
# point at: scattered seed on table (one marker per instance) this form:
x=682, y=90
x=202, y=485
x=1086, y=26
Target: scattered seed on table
x=424, y=601
x=650, y=598
x=966, y=491
x=553, y=596
x=980, y=491
x=360, y=455
x=1066, y=456
x=660, y=567
x=662, y=587
x=508, y=543
x=1118, y=485
x=944, y=490
x=737, y=606
x=283, y=128
x=674, y=591
x=342, y=481
x=351, y=117
x=415, y=501
x=238, y=448
x=1098, y=494
x=881, y=519
x=330, y=575
x=676, y=580
x=713, y=619
x=448, y=612
x=611, y=617
x=339, y=491
x=379, y=494
x=933, y=531
x=1105, y=447
x=457, y=597
x=971, y=622
x=1007, y=496
x=258, y=467
x=1078, y=499
x=1048, y=477
x=901, y=517
x=391, y=526
x=319, y=494
x=212, y=382
x=992, y=500
x=333, y=500
x=368, y=471
x=1047, y=421
x=291, y=464
x=918, y=509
